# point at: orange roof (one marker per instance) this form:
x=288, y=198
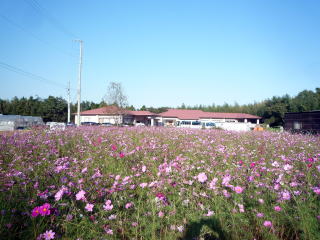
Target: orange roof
x=140, y=113
x=102, y=111
x=114, y=110
x=197, y=114
x=174, y=113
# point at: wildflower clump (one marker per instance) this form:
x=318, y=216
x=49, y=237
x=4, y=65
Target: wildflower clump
x=159, y=183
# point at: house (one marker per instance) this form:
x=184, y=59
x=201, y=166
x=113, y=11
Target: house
x=302, y=121
x=172, y=117
x=13, y=122
x=115, y=115
x=178, y=117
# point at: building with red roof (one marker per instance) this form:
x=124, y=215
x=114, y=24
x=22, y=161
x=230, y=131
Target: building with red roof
x=190, y=117
x=172, y=117
x=115, y=115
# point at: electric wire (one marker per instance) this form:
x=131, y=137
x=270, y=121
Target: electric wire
x=43, y=11
x=31, y=75
x=35, y=36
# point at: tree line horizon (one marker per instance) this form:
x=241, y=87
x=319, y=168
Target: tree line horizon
x=272, y=110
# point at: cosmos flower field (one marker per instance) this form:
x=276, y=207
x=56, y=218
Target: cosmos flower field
x=159, y=183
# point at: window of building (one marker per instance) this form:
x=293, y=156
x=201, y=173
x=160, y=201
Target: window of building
x=297, y=125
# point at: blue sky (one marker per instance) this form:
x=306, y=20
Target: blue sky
x=164, y=53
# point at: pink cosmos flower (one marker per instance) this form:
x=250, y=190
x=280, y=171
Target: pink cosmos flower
x=60, y=193
x=316, y=190
x=109, y=231
x=267, y=224
x=212, y=184
x=226, y=193
x=48, y=235
x=286, y=195
x=121, y=155
x=202, y=177
x=241, y=208
x=238, y=189
x=180, y=228
x=226, y=180
x=160, y=214
x=260, y=215
x=143, y=185
x=108, y=205
x=114, y=147
x=277, y=208
x=129, y=205
x=80, y=195
x=35, y=212
x=287, y=167
x=112, y=217
x=89, y=207
x=45, y=209
x=144, y=168
x=210, y=213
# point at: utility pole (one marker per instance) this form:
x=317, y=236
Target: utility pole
x=68, y=90
x=79, y=83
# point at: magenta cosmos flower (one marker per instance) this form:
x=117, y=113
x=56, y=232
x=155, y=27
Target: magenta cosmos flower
x=202, y=177
x=267, y=224
x=45, y=209
x=277, y=208
x=35, y=212
x=129, y=205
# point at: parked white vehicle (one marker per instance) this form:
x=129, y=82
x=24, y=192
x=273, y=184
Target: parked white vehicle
x=235, y=126
x=188, y=124
x=139, y=124
x=208, y=125
x=56, y=125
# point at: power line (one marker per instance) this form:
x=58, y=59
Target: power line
x=34, y=36
x=35, y=5
x=30, y=75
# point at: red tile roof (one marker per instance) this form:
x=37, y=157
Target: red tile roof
x=229, y=115
x=174, y=113
x=114, y=110
x=102, y=111
x=182, y=114
x=197, y=114
x=140, y=113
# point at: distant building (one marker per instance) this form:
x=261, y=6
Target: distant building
x=13, y=122
x=190, y=117
x=172, y=117
x=302, y=121
x=115, y=115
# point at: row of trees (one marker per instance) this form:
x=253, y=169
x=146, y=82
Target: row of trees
x=272, y=110
x=55, y=108
x=50, y=109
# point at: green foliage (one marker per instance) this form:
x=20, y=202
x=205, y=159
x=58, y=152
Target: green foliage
x=272, y=110
x=50, y=109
